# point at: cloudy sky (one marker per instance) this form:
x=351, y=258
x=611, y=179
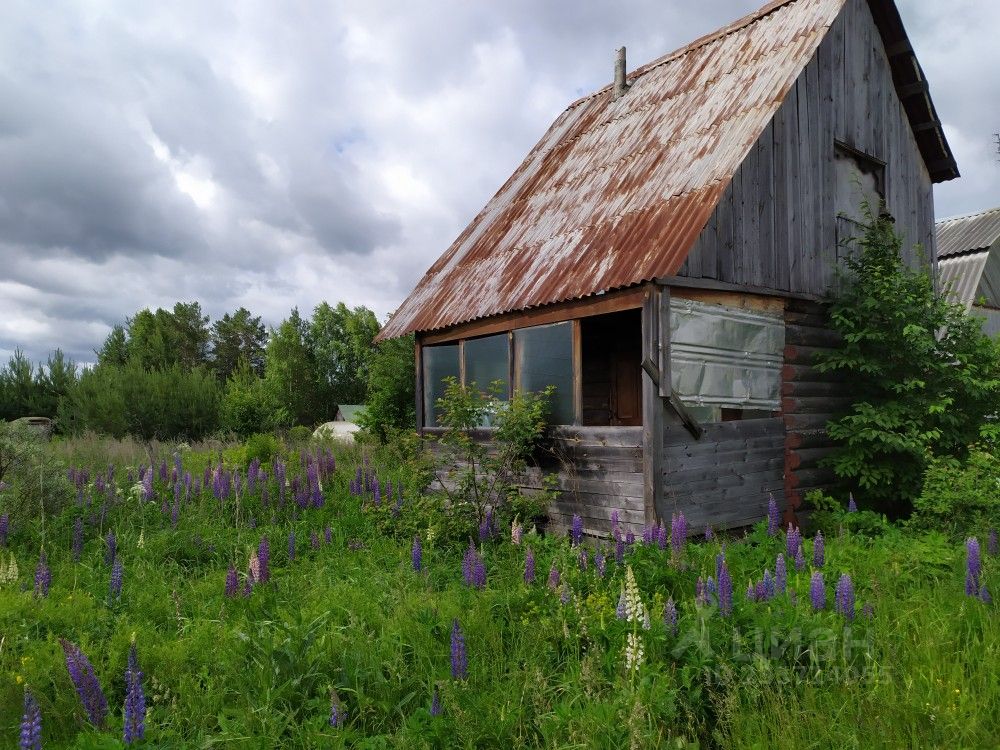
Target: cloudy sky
x=273, y=155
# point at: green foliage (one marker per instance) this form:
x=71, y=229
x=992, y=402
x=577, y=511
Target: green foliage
x=26, y=391
x=340, y=339
x=237, y=340
x=922, y=374
x=131, y=400
x=35, y=480
x=484, y=468
x=299, y=434
x=247, y=406
x=161, y=339
x=289, y=378
x=264, y=447
x=960, y=497
x=391, y=383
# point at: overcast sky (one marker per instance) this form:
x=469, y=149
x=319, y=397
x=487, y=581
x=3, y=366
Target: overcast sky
x=276, y=154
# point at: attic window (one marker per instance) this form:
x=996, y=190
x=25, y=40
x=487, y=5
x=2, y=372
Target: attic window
x=859, y=178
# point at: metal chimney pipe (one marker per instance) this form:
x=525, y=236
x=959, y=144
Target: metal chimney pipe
x=621, y=85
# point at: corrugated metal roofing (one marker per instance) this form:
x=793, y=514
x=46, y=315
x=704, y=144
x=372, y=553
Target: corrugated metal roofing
x=960, y=275
x=616, y=192
x=963, y=234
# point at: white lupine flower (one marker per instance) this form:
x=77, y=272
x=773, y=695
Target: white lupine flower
x=254, y=567
x=633, y=652
x=646, y=625
x=9, y=574
x=515, y=533
x=633, y=602
x=142, y=539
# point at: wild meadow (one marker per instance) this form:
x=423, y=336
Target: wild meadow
x=305, y=595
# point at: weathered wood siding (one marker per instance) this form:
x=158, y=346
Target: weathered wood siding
x=776, y=226
x=723, y=478
x=809, y=400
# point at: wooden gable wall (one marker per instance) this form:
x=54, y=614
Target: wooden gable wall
x=776, y=225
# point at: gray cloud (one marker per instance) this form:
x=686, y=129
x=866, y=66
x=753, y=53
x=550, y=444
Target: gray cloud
x=274, y=156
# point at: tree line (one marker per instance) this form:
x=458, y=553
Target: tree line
x=175, y=373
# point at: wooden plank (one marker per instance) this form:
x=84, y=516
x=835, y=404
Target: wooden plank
x=418, y=385
x=603, y=436
x=652, y=408
x=663, y=342
x=746, y=428
x=720, y=473
x=626, y=299
x=577, y=374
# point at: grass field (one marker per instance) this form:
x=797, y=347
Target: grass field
x=344, y=621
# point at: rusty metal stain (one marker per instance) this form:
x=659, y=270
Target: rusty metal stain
x=617, y=192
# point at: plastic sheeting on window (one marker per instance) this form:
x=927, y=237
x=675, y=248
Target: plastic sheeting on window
x=487, y=360
x=725, y=356
x=440, y=362
x=545, y=357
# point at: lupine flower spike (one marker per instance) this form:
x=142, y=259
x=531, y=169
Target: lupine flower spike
x=135, y=700
x=993, y=543
x=435, y=702
x=553, y=577
x=844, y=597
x=337, y=713
x=416, y=554
x=819, y=550
x=529, y=566
x=852, y=507
x=773, y=516
x=973, y=566
x=117, y=571
x=81, y=672
x=459, y=661
x=31, y=724
x=43, y=576
x=780, y=574
x=725, y=591
x=817, y=591
x=576, y=532
x=670, y=616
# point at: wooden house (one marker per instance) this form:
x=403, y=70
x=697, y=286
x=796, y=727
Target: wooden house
x=968, y=251
x=662, y=254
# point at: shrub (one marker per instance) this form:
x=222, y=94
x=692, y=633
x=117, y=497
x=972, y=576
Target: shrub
x=923, y=374
x=247, y=406
x=391, y=396
x=299, y=434
x=960, y=497
x=34, y=483
x=263, y=447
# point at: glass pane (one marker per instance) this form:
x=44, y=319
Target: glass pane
x=440, y=362
x=544, y=358
x=487, y=360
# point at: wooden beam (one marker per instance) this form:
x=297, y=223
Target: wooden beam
x=577, y=373
x=652, y=409
x=625, y=299
x=725, y=286
x=418, y=355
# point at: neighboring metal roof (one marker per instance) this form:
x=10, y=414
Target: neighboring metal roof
x=959, y=275
x=617, y=192
x=963, y=234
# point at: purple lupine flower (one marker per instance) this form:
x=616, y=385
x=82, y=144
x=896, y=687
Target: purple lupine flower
x=338, y=715
x=81, y=672
x=773, y=516
x=115, y=586
x=767, y=585
x=314, y=540
x=232, y=582
x=648, y=534
x=564, y=595
x=619, y=550
x=984, y=595
x=135, y=700
x=616, y=531
x=600, y=563
x=576, y=531
x=792, y=539
x=583, y=558
x=678, y=533
x=719, y=560
x=486, y=527
x=31, y=724
x=725, y=591
x=700, y=594
x=973, y=566
x=780, y=574
x=868, y=611
x=710, y=589
x=993, y=543
x=417, y=555
x=328, y=535
x=817, y=591
x=77, y=546
x=291, y=546
x=852, y=507
x=469, y=564
x=800, y=558
x=844, y=597
x=670, y=616
x=621, y=611
x=553, y=577
x=709, y=534
x=163, y=470
x=751, y=592
x=43, y=576
x=479, y=573
x=111, y=550
x=661, y=537
x=435, y=702
x=459, y=661
x=4, y=528
x=264, y=558
x=629, y=539
x=529, y=566
x=819, y=550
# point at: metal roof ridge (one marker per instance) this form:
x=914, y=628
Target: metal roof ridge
x=973, y=215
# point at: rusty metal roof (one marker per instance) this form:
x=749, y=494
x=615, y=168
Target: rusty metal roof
x=969, y=233
x=617, y=192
